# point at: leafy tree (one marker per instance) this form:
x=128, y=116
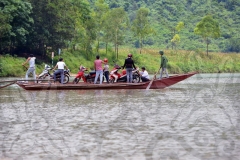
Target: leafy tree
x=180, y=26
x=141, y=26
x=80, y=13
x=5, y=28
x=16, y=23
x=176, y=38
x=101, y=9
x=207, y=28
x=107, y=29
x=119, y=21
x=57, y=22
x=90, y=36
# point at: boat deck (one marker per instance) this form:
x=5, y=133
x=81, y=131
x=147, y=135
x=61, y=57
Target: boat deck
x=156, y=84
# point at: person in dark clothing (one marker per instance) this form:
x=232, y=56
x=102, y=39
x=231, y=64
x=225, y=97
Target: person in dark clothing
x=163, y=65
x=129, y=64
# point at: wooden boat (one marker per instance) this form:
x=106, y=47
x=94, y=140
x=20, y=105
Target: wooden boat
x=156, y=84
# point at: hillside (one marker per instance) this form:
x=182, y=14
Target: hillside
x=42, y=27
x=164, y=16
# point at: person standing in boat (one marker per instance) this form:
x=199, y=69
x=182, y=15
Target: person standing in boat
x=106, y=69
x=61, y=65
x=144, y=75
x=98, y=68
x=129, y=64
x=163, y=65
x=31, y=69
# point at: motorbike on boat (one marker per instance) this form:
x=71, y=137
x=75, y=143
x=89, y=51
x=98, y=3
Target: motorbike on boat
x=87, y=77
x=46, y=74
x=122, y=77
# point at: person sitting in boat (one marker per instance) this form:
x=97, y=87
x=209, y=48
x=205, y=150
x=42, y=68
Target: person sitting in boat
x=144, y=75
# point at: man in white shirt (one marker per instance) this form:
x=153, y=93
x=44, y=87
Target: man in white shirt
x=61, y=65
x=31, y=68
x=144, y=75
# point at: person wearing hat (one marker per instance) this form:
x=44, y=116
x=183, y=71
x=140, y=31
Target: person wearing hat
x=31, y=69
x=163, y=65
x=144, y=75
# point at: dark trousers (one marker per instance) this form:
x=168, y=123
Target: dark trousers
x=144, y=79
x=106, y=74
x=129, y=75
x=61, y=71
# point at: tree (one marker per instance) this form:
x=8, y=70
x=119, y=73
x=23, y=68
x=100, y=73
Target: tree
x=16, y=23
x=107, y=29
x=5, y=28
x=117, y=22
x=141, y=26
x=57, y=23
x=101, y=9
x=176, y=38
x=207, y=28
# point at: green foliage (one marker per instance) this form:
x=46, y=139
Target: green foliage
x=42, y=26
x=11, y=66
x=233, y=45
x=116, y=21
x=17, y=22
x=207, y=28
x=141, y=27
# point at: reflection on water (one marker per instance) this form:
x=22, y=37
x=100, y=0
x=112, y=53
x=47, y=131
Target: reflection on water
x=198, y=118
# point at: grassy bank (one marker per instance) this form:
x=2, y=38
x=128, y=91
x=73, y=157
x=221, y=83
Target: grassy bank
x=179, y=61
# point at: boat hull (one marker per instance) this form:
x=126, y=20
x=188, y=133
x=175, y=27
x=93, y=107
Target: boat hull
x=156, y=84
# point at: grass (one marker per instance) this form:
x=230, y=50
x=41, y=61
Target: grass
x=178, y=61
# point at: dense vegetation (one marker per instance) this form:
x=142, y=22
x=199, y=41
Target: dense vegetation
x=43, y=26
x=84, y=28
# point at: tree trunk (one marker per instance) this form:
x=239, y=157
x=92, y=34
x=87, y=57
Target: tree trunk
x=173, y=36
x=106, y=46
x=98, y=46
x=207, y=47
x=116, y=41
x=140, y=45
x=117, y=51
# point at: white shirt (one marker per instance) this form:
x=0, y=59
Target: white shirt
x=106, y=67
x=61, y=65
x=145, y=74
x=32, y=62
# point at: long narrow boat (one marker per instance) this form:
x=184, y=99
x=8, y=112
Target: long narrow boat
x=156, y=84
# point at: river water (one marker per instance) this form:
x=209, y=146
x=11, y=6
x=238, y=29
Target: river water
x=196, y=119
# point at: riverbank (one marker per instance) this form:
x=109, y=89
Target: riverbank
x=178, y=61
